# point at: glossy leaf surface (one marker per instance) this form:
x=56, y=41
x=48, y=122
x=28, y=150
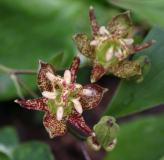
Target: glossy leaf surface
x=149, y=10
x=32, y=151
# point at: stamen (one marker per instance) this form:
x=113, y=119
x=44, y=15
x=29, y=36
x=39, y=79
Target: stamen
x=67, y=76
x=103, y=30
x=94, y=43
x=77, y=105
x=109, y=53
x=129, y=41
x=59, y=113
x=117, y=54
x=49, y=95
x=50, y=76
x=87, y=92
x=119, y=50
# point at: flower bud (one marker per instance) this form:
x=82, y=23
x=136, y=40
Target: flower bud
x=106, y=130
x=145, y=66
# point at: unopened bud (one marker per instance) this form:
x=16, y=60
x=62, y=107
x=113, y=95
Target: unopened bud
x=145, y=67
x=106, y=130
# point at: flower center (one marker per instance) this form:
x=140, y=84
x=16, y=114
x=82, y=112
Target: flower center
x=64, y=95
x=109, y=47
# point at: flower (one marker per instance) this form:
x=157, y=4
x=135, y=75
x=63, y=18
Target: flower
x=63, y=99
x=110, y=46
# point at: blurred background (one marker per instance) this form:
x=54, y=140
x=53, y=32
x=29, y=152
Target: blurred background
x=39, y=29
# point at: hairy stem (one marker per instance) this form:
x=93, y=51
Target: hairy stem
x=27, y=88
x=5, y=69
x=84, y=151
x=17, y=86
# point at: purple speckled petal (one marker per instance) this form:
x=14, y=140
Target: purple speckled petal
x=74, y=68
x=94, y=24
x=74, y=117
x=44, y=83
x=125, y=69
x=91, y=101
x=83, y=45
x=120, y=25
x=97, y=72
x=37, y=104
x=53, y=126
x=139, y=47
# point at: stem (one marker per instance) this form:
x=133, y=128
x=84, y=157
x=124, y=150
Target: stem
x=75, y=135
x=84, y=151
x=24, y=71
x=5, y=69
x=17, y=86
x=27, y=88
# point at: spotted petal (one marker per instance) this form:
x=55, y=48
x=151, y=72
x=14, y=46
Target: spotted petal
x=74, y=68
x=38, y=104
x=83, y=45
x=74, y=117
x=125, y=69
x=97, y=72
x=44, y=83
x=139, y=47
x=92, y=100
x=120, y=25
x=53, y=126
x=94, y=24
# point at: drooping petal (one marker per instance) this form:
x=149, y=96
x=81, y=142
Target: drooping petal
x=139, y=47
x=97, y=72
x=53, y=126
x=94, y=24
x=125, y=69
x=59, y=113
x=83, y=45
x=44, y=83
x=74, y=68
x=37, y=104
x=49, y=95
x=74, y=117
x=120, y=25
x=91, y=101
x=67, y=76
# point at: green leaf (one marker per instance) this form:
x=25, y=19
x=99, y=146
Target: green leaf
x=56, y=60
x=139, y=139
x=149, y=10
x=8, y=141
x=32, y=151
x=3, y=156
x=132, y=97
x=8, y=137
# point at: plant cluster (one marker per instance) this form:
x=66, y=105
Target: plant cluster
x=64, y=100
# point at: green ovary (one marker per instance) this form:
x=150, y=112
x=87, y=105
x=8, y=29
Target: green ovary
x=101, y=53
x=53, y=107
